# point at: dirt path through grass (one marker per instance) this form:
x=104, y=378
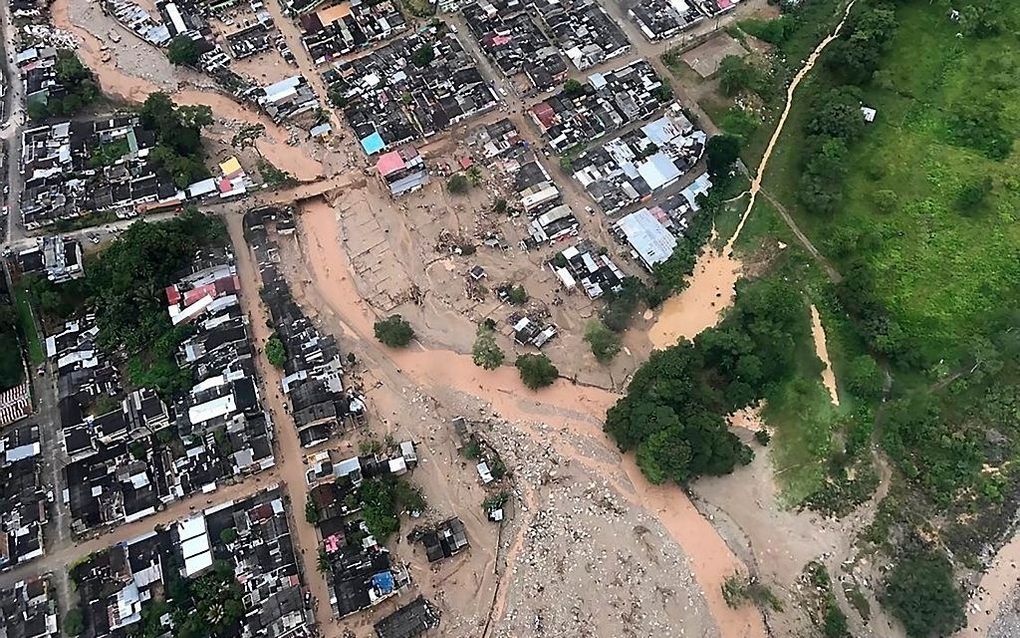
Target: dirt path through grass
x=797, y=79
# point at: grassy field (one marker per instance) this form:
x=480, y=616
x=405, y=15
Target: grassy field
x=939, y=267
x=805, y=422
x=806, y=26
x=26, y=323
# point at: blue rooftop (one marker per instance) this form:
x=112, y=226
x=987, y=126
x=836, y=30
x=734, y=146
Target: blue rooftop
x=373, y=143
x=383, y=581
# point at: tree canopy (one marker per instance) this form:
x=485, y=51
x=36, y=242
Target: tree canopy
x=178, y=137
x=673, y=413
x=79, y=88
x=605, y=344
x=183, y=51
x=723, y=151
x=485, y=352
x=423, y=55
x=126, y=283
x=394, y=331
x=275, y=352
x=536, y=370
x=921, y=591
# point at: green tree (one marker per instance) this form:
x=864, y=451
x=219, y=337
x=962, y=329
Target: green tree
x=722, y=151
x=423, y=55
x=736, y=75
x=666, y=454
x=275, y=352
x=835, y=625
x=485, y=352
x=311, y=511
x=322, y=562
x=536, y=370
x=983, y=18
x=605, y=344
x=183, y=51
x=73, y=622
x=572, y=88
x=38, y=111
x=517, y=295
x=394, y=331
x=458, y=184
x=837, y=114
x=228, y=535
x=973, y=197
x=864, y=378
x=379, y=507
x=923, y=594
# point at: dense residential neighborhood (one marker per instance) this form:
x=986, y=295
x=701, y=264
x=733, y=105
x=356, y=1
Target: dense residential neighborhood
x=500, y=318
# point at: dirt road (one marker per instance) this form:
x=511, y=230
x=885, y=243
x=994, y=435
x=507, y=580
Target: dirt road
x=790, y=90
x=290, y=462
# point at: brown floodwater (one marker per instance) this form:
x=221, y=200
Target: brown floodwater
x=129, y=88
x=701, y=304
x=822, y=350
x=579, y=409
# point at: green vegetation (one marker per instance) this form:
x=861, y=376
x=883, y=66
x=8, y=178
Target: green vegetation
x=275, y=351
x=125, y=284
x=423, y=56
x=917, y=213
x=26, y=323
x=495, y=501
x=824, y=609
x=394, y=331
x=738, y=590
x=722, y=151
x=183, y=51
x=485, y=352
x=273, y=176
x=311, y=511
x=383, y=499
x=673, y=414
x=922, y=593
x=178, y=137
x=752, y=88
x=419, y=8
x=536, y=370
x=517, y=295
x=605, y=344
x=80, y=89
x=74, y=624
x=228, y=535
x=209, y=606
x=572, y=88
x=109, y=153
x=458, y=184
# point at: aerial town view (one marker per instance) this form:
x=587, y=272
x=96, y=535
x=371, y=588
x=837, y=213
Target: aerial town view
x=509, y=318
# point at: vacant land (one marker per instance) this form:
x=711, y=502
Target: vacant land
x=940, y=264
